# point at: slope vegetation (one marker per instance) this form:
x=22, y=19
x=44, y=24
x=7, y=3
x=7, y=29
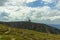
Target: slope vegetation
x=11, y=33
x=33, y=26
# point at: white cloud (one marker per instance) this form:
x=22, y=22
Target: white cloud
x=46, y=14
x=55, y=18
x=22, y=1
x=17, y=11
x=30, y=1
x=48, y=1
x=58, y=5
x=2, y=2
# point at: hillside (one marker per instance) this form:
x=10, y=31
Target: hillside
x=10, y=33
x=33, y=26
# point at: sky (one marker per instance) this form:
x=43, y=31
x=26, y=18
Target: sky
x=39, y=11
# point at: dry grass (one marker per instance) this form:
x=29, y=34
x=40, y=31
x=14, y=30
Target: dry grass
x=9, y=33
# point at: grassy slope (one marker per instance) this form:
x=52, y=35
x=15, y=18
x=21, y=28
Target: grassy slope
x=8, y=33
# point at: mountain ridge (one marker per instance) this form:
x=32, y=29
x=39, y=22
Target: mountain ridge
x=33, y=26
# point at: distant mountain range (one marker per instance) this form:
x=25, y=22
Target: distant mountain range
x=55, y=25
x=33, y=26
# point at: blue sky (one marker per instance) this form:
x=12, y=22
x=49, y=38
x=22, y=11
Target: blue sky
x=41, y=3
x=39, y=11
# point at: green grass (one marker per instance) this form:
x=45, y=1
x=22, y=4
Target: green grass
x=9, y=33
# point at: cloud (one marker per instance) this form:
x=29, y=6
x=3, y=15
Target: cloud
x=17, y=11
x=22, y=1
x=30, y=1
x=46, y=14
x=58, y=5
x=2, y=2
x=48, y=1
